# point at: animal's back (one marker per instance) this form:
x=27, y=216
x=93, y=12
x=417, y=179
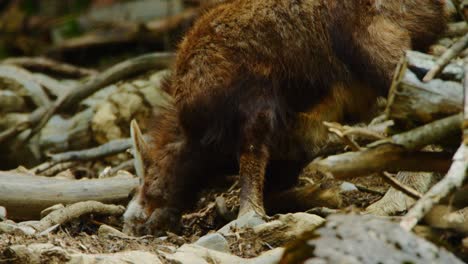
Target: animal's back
x=247, y=55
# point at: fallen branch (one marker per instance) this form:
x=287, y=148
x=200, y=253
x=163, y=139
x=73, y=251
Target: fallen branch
x=395, y=183
x=386, y=157
x=76, y=210
x=25, y=196
x=107, y=149
x=448, y=55
x=392, y=154
x=49, y=65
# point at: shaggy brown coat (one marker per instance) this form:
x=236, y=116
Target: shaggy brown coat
x=253, y=82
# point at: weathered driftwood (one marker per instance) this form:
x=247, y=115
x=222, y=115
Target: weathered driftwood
x=396, y=153
x=25, y=196
x=412, y=102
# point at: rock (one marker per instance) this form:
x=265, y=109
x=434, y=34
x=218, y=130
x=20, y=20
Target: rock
x=104, y=124
x=214, y=241
x=37, y=253
x=287, y=227
x=105, y=231
x=363, y=239
x=348, y=187
x=250, y=219
x=128, y=104
x=3, y=213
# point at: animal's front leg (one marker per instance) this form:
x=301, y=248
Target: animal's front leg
x=254, y=155
x=253, y=161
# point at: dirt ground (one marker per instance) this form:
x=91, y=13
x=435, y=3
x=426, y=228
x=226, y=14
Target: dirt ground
x=81, y=235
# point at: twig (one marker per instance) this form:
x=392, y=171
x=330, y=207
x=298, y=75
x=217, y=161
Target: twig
x=395, y=183
x=49, y=65
x=362, y=188
x=339, y=130
x=47, y=169
x=76, y=210
x=126, y=165
x=454, y=179
x=107, y=149
x=426, y=134
x=448, y=55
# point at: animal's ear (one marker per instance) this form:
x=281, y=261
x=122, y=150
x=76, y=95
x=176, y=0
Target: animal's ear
x=140, y=150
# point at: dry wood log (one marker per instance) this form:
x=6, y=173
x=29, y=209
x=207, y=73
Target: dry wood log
x=396, y=153
x=412, y=102
x=25, y=196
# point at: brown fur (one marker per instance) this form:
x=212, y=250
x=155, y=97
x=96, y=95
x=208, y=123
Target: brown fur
x=255, y=79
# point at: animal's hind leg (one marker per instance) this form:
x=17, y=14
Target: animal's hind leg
x=254, y=155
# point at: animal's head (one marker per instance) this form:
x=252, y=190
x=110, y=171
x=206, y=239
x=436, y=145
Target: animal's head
x=145, y=214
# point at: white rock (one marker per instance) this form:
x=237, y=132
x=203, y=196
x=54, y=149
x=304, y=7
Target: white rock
x=214, y=241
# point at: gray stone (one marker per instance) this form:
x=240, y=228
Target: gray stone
x=214, y=241
x=348, y=187
x=250, y=219
x=3, y=213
